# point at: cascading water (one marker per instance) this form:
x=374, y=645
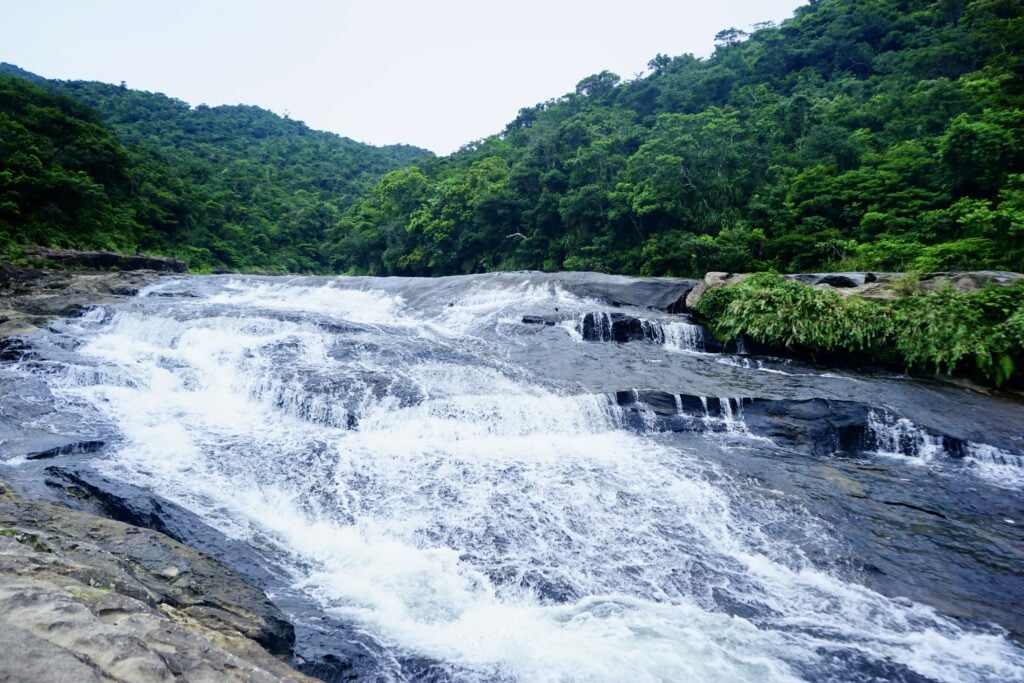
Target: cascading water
x=685, y=337
x=445, y=481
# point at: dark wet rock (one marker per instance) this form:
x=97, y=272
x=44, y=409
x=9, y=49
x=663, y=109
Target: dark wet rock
x=80, y=488
x=104, y=600
x=819, y=426
x=106, y=260
x=619, y=327
x=662, y=294
x=815, y=426
x=549, y=321
x=73, y=448
x=842, y=281
x=13, y=350
x=911, y=506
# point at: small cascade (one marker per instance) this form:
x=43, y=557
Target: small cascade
x=602, y=326
x=990, y=455
x=686, y=337
x=652, y=332
x=999, y=467
x=595, y=327
x=713, y=413
x=731, y=416
x=890, y=434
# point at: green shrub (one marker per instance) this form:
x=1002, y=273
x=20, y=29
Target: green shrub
x=945, y=331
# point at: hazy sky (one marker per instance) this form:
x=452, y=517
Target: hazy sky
x=436, y=73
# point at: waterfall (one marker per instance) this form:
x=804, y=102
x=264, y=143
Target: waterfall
x=892, y=435
x=420, y=478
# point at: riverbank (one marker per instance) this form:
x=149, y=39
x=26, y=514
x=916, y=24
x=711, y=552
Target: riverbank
x=32, y=297
x=967, y=325
x=446, y=467
x=83, y=598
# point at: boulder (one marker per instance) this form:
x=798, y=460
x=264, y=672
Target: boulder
x=661, y=294
x=711, y=281
x=549, y=321
x=619, y=327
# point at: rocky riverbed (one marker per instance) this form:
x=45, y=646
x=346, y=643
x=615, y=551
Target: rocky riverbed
x=408, y=479
x=84, y=597
x=31, y=297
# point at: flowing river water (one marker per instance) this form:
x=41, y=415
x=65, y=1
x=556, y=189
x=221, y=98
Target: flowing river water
x=472, y=479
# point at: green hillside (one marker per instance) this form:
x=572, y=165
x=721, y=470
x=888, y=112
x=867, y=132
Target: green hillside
x=876, y=134
x=90, y=165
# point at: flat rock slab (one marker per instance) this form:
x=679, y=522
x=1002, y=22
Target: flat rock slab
x=106, y=260
x=30, y=298
x=101, y=600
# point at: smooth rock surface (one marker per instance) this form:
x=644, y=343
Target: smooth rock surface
x=101, y=600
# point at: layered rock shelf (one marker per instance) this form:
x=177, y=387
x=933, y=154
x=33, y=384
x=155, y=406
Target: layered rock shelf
x=84, y=598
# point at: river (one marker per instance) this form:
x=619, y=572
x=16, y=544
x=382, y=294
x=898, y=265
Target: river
x=470, y=478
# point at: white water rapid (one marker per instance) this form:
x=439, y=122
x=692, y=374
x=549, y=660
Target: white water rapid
x=408, y=456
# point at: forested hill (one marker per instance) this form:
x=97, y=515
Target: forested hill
x=91, y=165
x=875, y=134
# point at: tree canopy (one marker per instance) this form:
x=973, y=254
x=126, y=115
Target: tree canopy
x=90, y=165
x=880, y=134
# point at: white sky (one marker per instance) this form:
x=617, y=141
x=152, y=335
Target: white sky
x=435, y=73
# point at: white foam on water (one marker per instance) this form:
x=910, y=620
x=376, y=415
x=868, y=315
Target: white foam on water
x=491, y=523
x=684, y=337
x=995, y=465
x=898, y=436
x=484, y=304
x=901, y=439
x=372, y=307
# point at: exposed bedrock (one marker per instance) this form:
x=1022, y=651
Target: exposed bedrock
x=106, y=260
x=623, y=328
x=320, y=645
x=618, y=327
x=662, y=294
x=30, y=299
x=816, y=426
x=85, y=598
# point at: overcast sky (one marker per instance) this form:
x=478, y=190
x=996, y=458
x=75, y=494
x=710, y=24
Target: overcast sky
x=434, y=73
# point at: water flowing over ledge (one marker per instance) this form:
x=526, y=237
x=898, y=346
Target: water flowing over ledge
x=547, y=477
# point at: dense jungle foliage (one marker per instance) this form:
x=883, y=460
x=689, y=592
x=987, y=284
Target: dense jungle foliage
x=979, y=333
x=90, y=165
x=867, y=134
